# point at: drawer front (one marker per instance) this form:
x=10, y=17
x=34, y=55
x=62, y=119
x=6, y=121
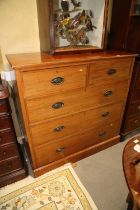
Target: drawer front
x=134, y=108
x=54, y=151
x=137, y=76
x=135, y=97
x=109, y=70
x=132, y=123
x=9, y=166
x=52, y=81
x=8, y=151
x=5, y=122
x=7, y=136
x=70, y=125
x=63, y=104
x=4, y=107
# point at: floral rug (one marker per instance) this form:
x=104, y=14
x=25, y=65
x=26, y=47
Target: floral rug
x=60, y=189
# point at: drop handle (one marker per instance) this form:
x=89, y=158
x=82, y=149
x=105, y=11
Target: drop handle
x=57, y=80
x=108, y=93
x=105, y=114
x=111, y=71
x=57, y=105
x=60, y=150
x=59, y=128
x=102, y=133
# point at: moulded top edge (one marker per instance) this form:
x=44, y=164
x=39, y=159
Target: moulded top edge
x=18, y=61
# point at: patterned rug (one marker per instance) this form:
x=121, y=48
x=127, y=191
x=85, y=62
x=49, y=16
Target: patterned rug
x=59, y=189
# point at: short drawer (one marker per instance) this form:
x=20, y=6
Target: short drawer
x=52, y=81
x=9, y=166
x=6, y=122
x=109, y=70
x=8, y=151
x=70, y=125
x=7, y=136
x=54, y=151
x=63, y=104
x=4, y=107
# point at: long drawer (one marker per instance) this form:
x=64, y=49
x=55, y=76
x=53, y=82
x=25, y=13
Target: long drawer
x=134, y=108
x=109, y=70
x=7, y=136
x=63, y=104
x=52, y=81
x=132, y=123
x=10, y=165
x=5, y=122
x=4, y=107
x=48, y=153
x=8, y=151
x=73, y=124
x=135, y=96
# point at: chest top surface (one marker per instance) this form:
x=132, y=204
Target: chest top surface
x=32, y=60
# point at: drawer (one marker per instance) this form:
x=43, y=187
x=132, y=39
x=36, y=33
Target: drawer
x=134, y=108
x=8, y=151
x=9, y=166
x=52, y=81
x=73, y=124
x=63, y=104
x=135, y=96
x=132, y=123
x=54, y=151
x=7, y=136
x=109, y=70
x=137, y=76
x=4, y=107
x=6, y=122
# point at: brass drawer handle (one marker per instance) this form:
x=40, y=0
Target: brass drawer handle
x=102, y=133
x=57, y=80
x=59, y=128
x=58, y=105
x=105, y=114
x=111, y=71
x=138, y=107
x=108, y=93
x=61, y=149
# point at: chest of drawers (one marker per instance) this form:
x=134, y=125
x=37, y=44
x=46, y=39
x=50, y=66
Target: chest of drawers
x=11, y=167
x=72, y=105
x=131, y=120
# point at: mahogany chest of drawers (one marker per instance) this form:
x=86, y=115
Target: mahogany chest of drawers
x=72, y=105
x=131, y=119
x=11, y=167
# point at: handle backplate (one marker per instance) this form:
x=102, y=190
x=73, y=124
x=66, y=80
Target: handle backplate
x=108, y=93
x=57, y=105
x=59, y=128
x=111, y=71
x=57, y=80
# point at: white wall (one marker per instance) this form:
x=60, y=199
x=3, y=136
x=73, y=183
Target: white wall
x=18, y=27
